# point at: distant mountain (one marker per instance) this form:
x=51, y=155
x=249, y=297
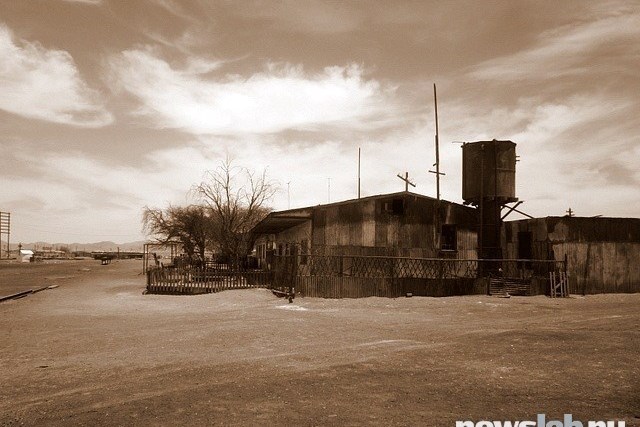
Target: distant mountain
x=88, y=247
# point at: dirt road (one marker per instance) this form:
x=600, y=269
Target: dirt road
x=17, y=277
x=95, y=351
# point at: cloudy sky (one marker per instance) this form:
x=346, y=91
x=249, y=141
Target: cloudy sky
x=109, y=105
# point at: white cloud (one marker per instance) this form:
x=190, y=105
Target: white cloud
x=309, y=165
x=573, y=152
x=96, y=183
x=45, y=84
x=173, y=7
x=280, y=97
x=71, y=194
x=569, y=103
x=558, y=168
x=310, y=16
x=573, y=49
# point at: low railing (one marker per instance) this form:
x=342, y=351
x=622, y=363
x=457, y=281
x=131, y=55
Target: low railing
x=331, y=276
x=362, y=276
x=400, y=267
x=168, y=280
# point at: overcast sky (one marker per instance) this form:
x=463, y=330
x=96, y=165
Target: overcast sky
x=108, y=106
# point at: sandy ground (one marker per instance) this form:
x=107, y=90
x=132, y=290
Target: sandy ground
x=95, y=351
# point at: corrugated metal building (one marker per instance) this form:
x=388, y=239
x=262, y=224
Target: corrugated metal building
x=602, y=254
x=398, y=224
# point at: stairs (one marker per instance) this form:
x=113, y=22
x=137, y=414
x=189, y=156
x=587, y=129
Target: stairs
x=509, y=286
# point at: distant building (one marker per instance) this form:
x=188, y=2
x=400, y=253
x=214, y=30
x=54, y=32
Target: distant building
x=24, y=255
x=49, y=253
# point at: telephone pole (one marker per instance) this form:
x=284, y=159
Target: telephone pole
x=289, y=195
x=358, y=172
x=5, y=229
x=437, y=140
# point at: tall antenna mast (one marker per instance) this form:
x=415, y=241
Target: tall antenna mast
x=435, y=102
x=358, y=172
x=437, y=163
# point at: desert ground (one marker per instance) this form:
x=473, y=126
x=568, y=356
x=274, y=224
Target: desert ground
x=96, y=351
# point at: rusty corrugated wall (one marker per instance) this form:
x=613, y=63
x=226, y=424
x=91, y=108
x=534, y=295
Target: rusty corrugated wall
x=398, y=225
x=603, y=254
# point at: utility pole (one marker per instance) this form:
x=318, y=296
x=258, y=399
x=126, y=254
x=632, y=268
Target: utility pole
x=328, y=190
x=437, y=140
x=5, y=229
x=289, y=195
x=406, y=180
x=358, y=172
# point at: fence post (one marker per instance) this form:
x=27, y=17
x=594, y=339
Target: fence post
x=292, y=285
x=340, y=277
x=392, y=282
x=440, y=275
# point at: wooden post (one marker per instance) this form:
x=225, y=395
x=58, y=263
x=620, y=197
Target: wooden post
x=406, y=180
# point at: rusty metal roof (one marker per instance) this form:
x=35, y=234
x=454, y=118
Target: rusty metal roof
x=276, y=222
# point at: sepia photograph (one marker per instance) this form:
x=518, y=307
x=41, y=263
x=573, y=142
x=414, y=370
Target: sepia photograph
x=320, y=212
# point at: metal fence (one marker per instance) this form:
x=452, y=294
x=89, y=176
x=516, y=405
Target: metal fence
x=362, y=276
x=400, y=267
x=330, y=276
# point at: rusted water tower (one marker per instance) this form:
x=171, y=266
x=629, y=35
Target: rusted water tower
x=489, y=182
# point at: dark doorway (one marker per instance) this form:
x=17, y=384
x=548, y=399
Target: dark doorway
x=448, y=238
x=525, y=245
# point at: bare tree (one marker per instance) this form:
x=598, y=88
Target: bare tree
x=190, y=225
x=237, y=198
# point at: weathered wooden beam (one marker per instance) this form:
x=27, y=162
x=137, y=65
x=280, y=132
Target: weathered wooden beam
x=511, y=209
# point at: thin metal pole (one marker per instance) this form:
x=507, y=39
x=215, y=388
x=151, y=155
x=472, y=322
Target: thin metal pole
x=435, y=101
x=481, y=231
x=496, y=208
x=358, y=172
